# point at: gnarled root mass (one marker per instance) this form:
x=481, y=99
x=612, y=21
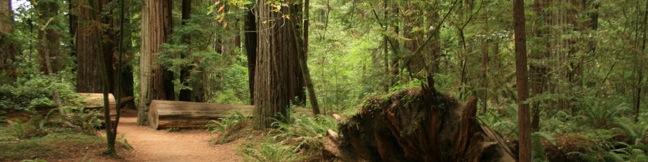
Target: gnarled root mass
x=417, y=125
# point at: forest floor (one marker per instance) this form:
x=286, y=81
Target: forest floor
x=163, y=145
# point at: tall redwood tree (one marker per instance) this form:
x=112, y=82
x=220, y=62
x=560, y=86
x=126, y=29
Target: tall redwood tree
x=156, y=28
x=278, y=77
x=524, y=122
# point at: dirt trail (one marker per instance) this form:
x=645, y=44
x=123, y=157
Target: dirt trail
x=185, y=145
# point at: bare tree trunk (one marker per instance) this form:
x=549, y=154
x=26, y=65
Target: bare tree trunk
x=9, y=51
x=72, y=25
x=640, y=67
x=89, y=50
x=303, y=60
x=275, y=65
x=522, y=79
x=6, y=17
x=49, y=47
x=156, y=25
x=250, y=48
x=484, y=74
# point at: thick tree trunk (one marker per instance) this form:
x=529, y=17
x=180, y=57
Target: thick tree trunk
x=250, y=49
x=90, y=50
x=277, y=71
x=9, y=51
x=156, y=25
x=521, y=80
x=49, y=46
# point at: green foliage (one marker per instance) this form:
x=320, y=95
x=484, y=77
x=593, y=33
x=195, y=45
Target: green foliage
x=626, y=153
x=54, y=145
x=229, y=80
x=304, y=132
x=635, y=132
x=598, y=113
x=270, y=150
x=222, y=72
x=232, y=127
x=226, y=123
x=295, y=140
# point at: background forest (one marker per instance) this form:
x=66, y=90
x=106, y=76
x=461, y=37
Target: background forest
x=586, y=59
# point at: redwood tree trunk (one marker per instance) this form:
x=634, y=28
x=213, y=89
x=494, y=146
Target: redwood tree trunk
x=156, y=25
x=9, y=47
x=250, y=49
x=276, y=66
x=49, y=46
x=521, y=80
x=89, y=48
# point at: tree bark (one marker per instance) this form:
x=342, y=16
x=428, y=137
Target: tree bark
x=8, y=54
x=276, y=66
x=484, y=74
x=303, y=61
x=156, y=27
x=49, y=46
x=72, y=26
x=89, y=47
x=639, y=65
x=250, y=48
x=521, y=80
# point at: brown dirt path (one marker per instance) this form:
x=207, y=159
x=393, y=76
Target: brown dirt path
x=183, y=146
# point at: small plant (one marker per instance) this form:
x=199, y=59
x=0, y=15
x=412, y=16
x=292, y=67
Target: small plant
x=25, y=130
x=598, y=113
x=633, y=131
x=304, y=131
x=173, y=129
x=225, y=123
x=627, y=153
x=229, y=127
x=270, y=150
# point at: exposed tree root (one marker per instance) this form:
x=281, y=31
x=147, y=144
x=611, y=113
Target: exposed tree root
x=416, y=125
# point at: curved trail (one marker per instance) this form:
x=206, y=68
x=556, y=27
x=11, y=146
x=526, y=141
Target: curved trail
x=161, y=145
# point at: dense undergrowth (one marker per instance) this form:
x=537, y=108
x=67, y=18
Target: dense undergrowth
x=298, y=139
x=595, y=134
x=42, y=117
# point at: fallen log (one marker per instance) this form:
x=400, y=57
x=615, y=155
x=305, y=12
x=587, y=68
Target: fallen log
x=95, y=100
x=180, y=114
x=416, y=125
